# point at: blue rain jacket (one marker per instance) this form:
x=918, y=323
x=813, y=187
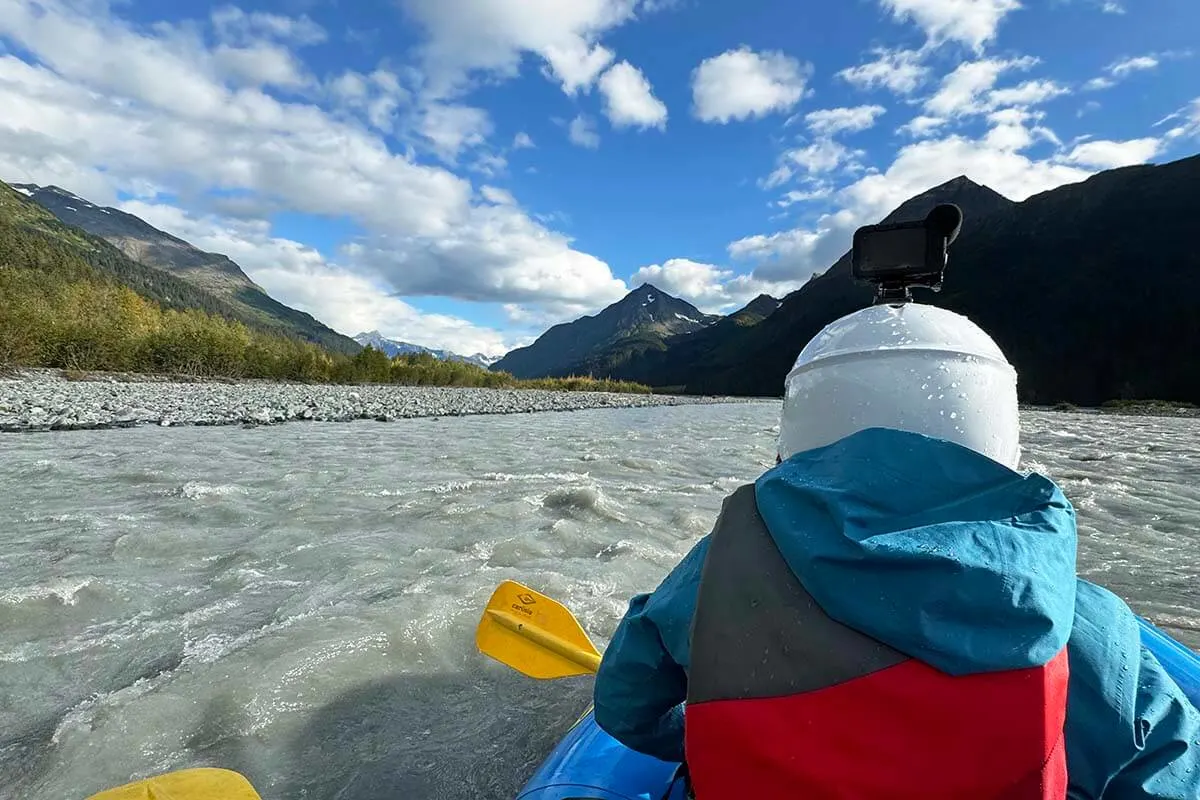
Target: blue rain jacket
x=951, y=558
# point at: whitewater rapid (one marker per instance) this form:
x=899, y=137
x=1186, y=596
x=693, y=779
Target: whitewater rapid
x=298, y=602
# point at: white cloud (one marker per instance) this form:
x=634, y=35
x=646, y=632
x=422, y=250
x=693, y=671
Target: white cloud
x=823, y=155
x=1187, y=119
x=1129, y=65
x=1104, y=154
x=790, y=198
x=522, y=141
x=261, y=64
x=299, y=276
x=709, y=288
x=996, y=159
x=965, y=90
x=922, y=125
x=108, y=108
x=629, y=100
x=1029, y=93
x=971, y=22
x=582, y=131
x=900, y=71
x=466, y=37
x=1122, y=68
x=376, y=97
x=739, y=84
x=232, y=24
x=450, y=129
x=828, y=122
x=576, y=64
x=499, y=255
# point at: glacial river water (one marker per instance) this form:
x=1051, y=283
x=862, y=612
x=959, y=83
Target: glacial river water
x=298, y=602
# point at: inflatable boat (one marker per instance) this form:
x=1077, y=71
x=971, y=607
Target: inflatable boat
x=588, y=764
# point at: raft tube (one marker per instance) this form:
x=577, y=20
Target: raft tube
x=588, y=764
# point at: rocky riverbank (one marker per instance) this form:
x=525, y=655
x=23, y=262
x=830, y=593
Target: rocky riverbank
x=43, y=400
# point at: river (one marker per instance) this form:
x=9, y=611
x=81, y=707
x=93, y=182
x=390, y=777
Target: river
x=298, y=602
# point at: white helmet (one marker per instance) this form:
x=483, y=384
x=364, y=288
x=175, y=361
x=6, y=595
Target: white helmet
x=911, y=367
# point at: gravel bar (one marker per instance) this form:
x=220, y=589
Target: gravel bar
x=42, y=400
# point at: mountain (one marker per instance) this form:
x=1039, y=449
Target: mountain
x=752, y=313
x=40, y=226
x=211, y=272
x=672, y=366
x=394, y=348
x=639, y=322
x=1086, y=288
x=713, y=362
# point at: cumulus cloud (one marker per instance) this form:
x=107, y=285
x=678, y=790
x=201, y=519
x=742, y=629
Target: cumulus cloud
x=740, y=84
x=710, y=288
x=900, y=71
x=831, y=121
x=965, y=89
x=629, y=100
x=820, y=191
x=106, y=108
x=522, y=141
x=499, y=255
x=1104, y=154
x=972, y=22
x=922, y=125
x=996, y=159
x=376, y=98
x=812, y=161
x=450, y=129
x=232, y=24
x=299, y=276
x=261, y=64
x=466, y=37
x=582, y=131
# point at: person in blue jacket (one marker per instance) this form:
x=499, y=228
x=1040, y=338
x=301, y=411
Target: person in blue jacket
x=898, y=510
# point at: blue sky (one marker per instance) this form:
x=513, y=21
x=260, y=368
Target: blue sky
x=463, y=173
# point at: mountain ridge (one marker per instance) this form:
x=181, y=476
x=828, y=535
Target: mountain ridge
x=691, y=363
x=642, y=320
x=394, y=347
x=214, y=273
x=1086, y=288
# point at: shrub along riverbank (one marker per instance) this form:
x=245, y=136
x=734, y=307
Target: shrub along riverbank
x=59, y=312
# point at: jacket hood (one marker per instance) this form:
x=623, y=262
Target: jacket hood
x=942, y=553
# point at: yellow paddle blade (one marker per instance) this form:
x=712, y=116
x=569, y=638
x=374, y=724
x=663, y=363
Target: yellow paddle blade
x=534, y=634
x=202, y=783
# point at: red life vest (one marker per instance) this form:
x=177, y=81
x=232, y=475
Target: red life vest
x=785, y=702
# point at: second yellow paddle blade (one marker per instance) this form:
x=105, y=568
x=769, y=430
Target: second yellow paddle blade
x=534, y=634
x=202, y=783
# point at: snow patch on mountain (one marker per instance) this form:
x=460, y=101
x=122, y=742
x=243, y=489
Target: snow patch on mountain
x=393, y=347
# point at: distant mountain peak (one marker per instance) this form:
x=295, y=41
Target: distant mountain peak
x=975, y=199
x=646, y=317
x=393, y=347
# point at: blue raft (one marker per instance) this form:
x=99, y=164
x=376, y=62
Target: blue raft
x=588, y=764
